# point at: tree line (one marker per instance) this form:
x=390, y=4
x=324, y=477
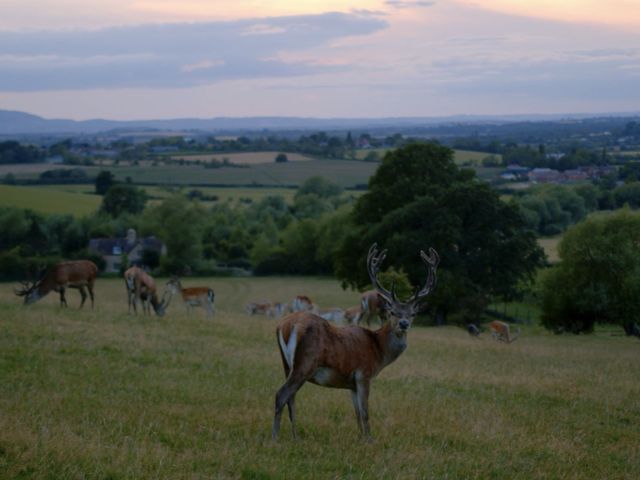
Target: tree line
x=418, y=198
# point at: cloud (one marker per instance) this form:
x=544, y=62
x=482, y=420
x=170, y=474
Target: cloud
x=171, y=55
x=409, y=3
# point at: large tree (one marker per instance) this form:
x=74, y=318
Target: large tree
x=419, y=198
x=598, y=277
x=121, y=199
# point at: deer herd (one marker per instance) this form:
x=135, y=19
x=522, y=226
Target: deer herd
x=327, y=347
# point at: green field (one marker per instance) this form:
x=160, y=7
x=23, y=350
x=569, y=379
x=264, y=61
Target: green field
x=99, y=394
x=49, y=201
x=460, y=156
x=345, y=173
x=550, y=247
x=248, y=158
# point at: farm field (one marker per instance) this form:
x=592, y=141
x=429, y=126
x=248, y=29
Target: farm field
x=345, y=173
x=473, y=158
x=248, y=158
x=460, y=156
x=49, y=201
x=99, y=394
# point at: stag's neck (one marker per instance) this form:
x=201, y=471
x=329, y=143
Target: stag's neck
x=390, y=344
x=46, y=285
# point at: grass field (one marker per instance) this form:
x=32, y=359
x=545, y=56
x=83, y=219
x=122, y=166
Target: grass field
x=49, y=201
x=550, y=247
x=473, y=158
x=345, y=173
x=99, y=394
x=248, y=158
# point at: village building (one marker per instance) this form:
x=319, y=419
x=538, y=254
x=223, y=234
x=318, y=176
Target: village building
x=131, y=249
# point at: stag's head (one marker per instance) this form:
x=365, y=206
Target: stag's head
x=28, y=291
x=400, y=314
x=161, y=307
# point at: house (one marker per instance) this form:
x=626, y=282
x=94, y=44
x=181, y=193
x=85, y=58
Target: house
x=113, y=250
x=575, y=175
x=515, y=172
x=544, y=175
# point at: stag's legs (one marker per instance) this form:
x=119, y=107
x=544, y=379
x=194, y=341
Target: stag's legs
x=291, y=405
x=286, y=393
x=63, y=300
x=83, y=295
x=90, y=288
x=356, y=407
x=362, y=394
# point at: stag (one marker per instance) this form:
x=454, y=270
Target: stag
x=193, y=296
x=78, y=274
x=500, y=331
x=348, y=357
x=142, y=288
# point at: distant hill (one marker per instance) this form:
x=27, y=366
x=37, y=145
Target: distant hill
x=20, y=123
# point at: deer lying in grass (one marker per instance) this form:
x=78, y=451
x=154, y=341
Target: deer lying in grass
x=193, y=296
x=501, y=331
x=78, y=274
x=142, y=288
x=313, y=350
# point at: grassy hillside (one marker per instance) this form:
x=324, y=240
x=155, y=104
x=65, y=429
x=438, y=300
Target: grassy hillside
x=48, y=200
x=99, y=394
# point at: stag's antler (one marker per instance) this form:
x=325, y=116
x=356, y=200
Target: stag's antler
x=26, y=288
x=374, y=260
x=431, y=261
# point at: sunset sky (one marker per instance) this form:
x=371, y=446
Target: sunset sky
x=140, y=59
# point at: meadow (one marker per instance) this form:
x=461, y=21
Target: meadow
x=343, y=172
x=245, y=158
x=49, y=201
x=100, y=394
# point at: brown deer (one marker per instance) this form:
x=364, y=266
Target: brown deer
x=78, y=274
x=372, y=305
x=500, y=331
x=346, y=357
x=142, y=288
x=301, y=303
x=193, y=296
x=352, y=315
x=258, y=308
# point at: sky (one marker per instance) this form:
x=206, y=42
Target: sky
x=154, y=59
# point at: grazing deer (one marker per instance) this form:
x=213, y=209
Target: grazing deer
x=193, y=296
x=141, y=287
x=372, y=305
x=78, y=274
x=258, y=308
x=352, y=315
x=278, y=309
x=302, y=303
x=473, y=330
x=349, y=357
x=500, y=331
x=334, y=315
